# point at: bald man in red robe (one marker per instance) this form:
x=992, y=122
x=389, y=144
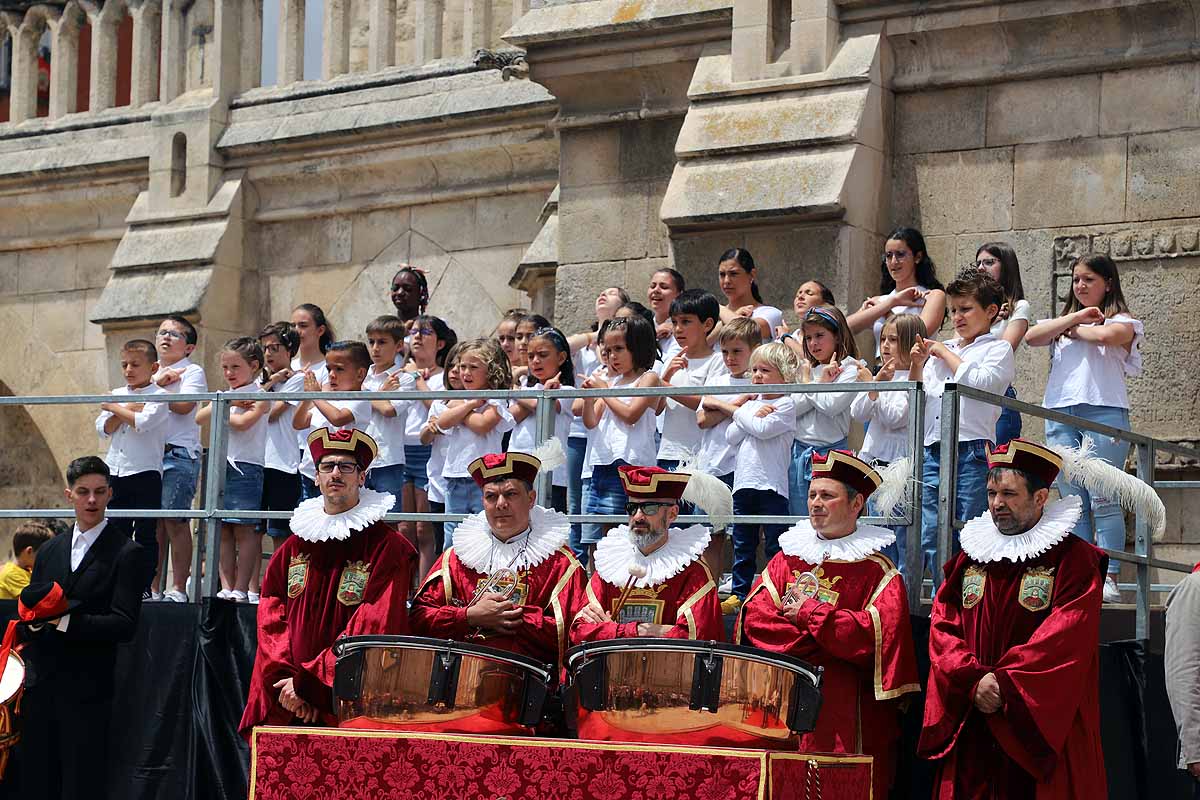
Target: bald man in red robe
x=831, y=598
x=345, y=572
x=1013, y=709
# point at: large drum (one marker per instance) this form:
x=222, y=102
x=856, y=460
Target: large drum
x=411, y=683
x=12, y=687
x=677, y=691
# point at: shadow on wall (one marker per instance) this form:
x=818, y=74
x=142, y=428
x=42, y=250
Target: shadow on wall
x=29, y=476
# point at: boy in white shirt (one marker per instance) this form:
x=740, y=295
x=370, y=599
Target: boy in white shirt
x=975, y=358
x=346, y=364
x=178, y=374
x=136, y=432
x=389, y=418
x=694, y=313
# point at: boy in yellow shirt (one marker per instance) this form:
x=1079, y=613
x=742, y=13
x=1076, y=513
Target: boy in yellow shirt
x=14, y=576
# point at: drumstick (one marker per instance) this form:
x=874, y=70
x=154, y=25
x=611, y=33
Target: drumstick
x=635, y=571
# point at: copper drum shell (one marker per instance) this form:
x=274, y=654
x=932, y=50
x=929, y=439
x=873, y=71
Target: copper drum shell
x=412, y=683
x=643, y=690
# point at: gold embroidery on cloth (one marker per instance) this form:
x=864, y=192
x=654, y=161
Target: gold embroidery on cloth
x=297, y=574
x=974, y=580
x=1037, y=588
x=353, y=584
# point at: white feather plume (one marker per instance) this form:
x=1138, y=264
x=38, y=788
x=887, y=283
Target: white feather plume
x=709, y=493
x=551, y=454
x=893, y=498
x=1104, y=480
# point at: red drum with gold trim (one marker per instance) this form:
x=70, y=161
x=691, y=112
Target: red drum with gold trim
x=12, y=687
x=677, y=691
x=412, y=683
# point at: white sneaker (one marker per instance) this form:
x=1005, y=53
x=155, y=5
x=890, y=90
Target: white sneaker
x=238, y=597
x=225, y=594
x=175, y=596
x=155, y=597
x=252, y=597
x=726, y=586
x=1111, y=593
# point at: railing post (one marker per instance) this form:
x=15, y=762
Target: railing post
x=947, y=480
x=543, y=419
x=427, y=30
x=914, y=558
x=291, y=42
x=64, y=78
x=147, y=35
x=382, y=35
x=1142, y=545
x=335, y=57
x=477, y=25
x=104, y=19
x=214, y=496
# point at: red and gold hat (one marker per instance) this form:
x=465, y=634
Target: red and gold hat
x=348, y=441
x=844, y=466
x=502, y=466
x=653, y=484
x=1027, y=456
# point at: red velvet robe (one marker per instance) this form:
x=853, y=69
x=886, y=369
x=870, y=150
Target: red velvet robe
x=314, y=593
x=552, y=592
x=688, y=601
x=1045, y=742
x=860, y=634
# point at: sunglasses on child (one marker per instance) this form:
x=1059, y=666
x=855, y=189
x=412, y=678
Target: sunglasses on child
x=344, y=467
x=647, y=509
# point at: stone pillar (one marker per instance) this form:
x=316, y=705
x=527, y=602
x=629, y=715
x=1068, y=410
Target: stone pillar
x=147, y=33
x=173, y=57
x=22, y=100
x=228, y=33
x=291, y=42
x=382, y=35
x=427, y=33
x=777, y=38
x=252, y=34
x=104, y=19
x=477, y=25
x=335, y=58
x=814, y=35
x=64, y=78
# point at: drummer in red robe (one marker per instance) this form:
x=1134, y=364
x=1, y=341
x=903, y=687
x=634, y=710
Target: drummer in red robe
x=831, y=598
x=535, y=582
x=1013, y=707
x=654, y=568
x=345, y=572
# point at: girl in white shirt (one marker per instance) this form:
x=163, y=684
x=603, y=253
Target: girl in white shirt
x=1097, y=343
x=809, y=295
x=908, y=284
x=549, y=358
x=737, y=275
x=241, y=539
x=999, y=260
x=822, y=420
x=762, y=430
x=435, y=439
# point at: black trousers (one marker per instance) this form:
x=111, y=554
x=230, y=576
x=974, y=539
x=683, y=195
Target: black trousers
x=140, y=490
x=64, y=745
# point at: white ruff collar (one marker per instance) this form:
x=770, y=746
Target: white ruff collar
x=479, y=550
x=983, y=541
x=312, y=524
x=801, y=540
x=616, y=551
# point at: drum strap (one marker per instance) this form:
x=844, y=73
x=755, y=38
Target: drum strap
x=6, y=646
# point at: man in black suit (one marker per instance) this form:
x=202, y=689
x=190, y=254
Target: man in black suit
x=69, y=661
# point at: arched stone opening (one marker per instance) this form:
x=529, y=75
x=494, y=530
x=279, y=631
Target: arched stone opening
x=29, y=475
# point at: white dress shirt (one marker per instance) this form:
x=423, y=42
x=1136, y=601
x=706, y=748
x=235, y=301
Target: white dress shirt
x=182, y=429
x=681, y=433
x=389, y=432
x=138, y=448
x=824, y=418
x=764, y=445
x=887, y=436
x=988, y=364
x=81, y=542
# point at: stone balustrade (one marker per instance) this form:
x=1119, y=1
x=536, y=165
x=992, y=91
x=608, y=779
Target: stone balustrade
x=175, y=47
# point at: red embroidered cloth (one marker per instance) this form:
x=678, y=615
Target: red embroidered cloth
x=322, y=764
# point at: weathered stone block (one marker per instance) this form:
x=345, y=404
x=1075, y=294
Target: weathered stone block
x=490, y=268
x=1150, y=99
x=92, y=264
x=378, y=232
x=469, y=320
x=945, y=193
x=1163, y=182
x=576, y=288
x=647, y=149
x=93, y=334
x=301, y=243
x=590, y=156
x=58, y=320
x=451, y=225
x=1043, y=111
x=9, y=272
x=507, y=219
x=1069, y=183
x=945, y=260
x=286, y=290
x=150, y=294
x=603, y=222
x=46, y=270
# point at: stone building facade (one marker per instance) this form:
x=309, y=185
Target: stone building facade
x=534, y=156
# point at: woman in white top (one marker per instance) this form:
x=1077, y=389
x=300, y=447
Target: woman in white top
x=737, y=274
x=665, y=285
x=999, y=260
x=908, y=284
x=1096, y=344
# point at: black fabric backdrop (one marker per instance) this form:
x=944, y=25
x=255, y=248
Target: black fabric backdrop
x=183, y=681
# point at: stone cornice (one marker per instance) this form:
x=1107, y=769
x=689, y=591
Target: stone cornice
x=627, y=19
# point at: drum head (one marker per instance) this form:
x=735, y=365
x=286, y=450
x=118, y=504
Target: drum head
x=13, y=679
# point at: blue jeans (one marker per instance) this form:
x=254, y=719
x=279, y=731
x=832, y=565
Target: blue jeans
x=800, y=473
x=576, y=450
x=180, y=477
x=745, y=536
x=1102, y=517
x=389, y=479
x=308, y=488
x=463, y=496
x=970, y=497
x=1008, y=427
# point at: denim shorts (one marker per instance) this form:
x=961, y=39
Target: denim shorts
x=180, y=475
x=416, y=465
x=606, y=493
x=243, y=490
x=281, y=492
x=388, y=479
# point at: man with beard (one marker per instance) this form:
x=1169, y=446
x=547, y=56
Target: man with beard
x=345, y=572
x=831, y=598
x=1013, y=708
x=649, y=578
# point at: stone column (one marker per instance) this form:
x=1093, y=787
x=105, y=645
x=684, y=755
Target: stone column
x=228, y=33
x=147, y=33
x=22, y=99
x=477, y=25
x=64, y=78
x=104, y=20
x=291, y=42
x=173, y=57
x=427, y=33
x=252, y=31
x=814, y=35
x=335, y=58
x=776, y=38
x=382, y=35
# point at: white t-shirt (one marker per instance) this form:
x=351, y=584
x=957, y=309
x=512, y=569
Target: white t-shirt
x=361, y=409
x=586, y=361
x=388, y=432
x=717, y=455
x=463, y=445
x=182, y=430
x=524, y=434
x=419, y=413
x=614, y=440
x=988, y=363
x=140, y=448
x=248, y=446
x=436, y=488
x=1020, y=311
x=283, y=445
x=824, y=418
x=772, y=315
x=1086, y=372
x=887, y=436
x=877, y=328
x=764, y=445
x=680, y=432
